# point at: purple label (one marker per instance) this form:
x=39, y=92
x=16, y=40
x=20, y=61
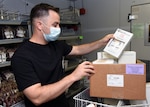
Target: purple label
x=135, y=69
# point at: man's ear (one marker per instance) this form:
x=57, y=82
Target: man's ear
x=39, y=25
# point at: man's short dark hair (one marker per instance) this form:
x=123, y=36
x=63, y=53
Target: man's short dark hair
x=41, y=10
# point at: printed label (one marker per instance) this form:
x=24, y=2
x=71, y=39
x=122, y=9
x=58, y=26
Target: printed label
x=115, y=80
x=135, y=69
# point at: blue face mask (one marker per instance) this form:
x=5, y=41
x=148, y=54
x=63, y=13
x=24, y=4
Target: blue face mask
x=53, y=35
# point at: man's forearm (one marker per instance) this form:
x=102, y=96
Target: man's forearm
x=40, y=94
x=87, y=48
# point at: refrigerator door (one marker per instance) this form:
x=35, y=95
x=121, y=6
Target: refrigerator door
x=140, y=27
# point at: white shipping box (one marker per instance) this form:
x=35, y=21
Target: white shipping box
x=127, y=57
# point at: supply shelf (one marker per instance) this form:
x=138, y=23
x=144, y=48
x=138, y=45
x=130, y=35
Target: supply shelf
x=19, y=104
x=68, y=38
x=10, y=41
x=5, y=64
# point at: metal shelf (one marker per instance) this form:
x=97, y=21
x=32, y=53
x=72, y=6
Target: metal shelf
x=12, y=22
x=71, y=68
x=19, y=104
x=74, y=92
x=9, y=41
x=68, y=38
x=5, y=64
x=70, y=22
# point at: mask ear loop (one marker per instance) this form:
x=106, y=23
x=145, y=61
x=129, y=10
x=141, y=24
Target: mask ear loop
x=45, y=26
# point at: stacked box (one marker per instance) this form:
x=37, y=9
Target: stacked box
x=119, y=81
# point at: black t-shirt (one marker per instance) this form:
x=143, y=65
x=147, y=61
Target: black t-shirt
x=34, y=63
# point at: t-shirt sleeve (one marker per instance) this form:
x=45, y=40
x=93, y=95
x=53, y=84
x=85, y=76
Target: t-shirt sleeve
x=66, y=49
x=24, y=73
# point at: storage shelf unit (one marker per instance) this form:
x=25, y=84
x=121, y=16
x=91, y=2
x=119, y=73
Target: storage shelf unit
x=74, y=92
x=71, y=32
x=68, y=38
x=16, y=22
x=13, y=40
x=71, y=67
x=7, y=44
x=70, y=22
x=10, y=41
x=9, y=22
x=5, y=64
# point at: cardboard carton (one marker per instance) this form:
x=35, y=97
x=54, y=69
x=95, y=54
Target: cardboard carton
x=119, y=81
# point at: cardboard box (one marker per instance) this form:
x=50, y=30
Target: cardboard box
x=119, y=81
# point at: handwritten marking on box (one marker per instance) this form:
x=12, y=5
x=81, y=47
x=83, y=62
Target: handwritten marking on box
x=114, y=80
x=137, y=69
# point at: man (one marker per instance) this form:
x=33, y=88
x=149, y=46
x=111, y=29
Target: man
x=37, y=64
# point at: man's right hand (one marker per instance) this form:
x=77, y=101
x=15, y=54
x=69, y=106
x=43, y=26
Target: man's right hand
x=84, y=69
